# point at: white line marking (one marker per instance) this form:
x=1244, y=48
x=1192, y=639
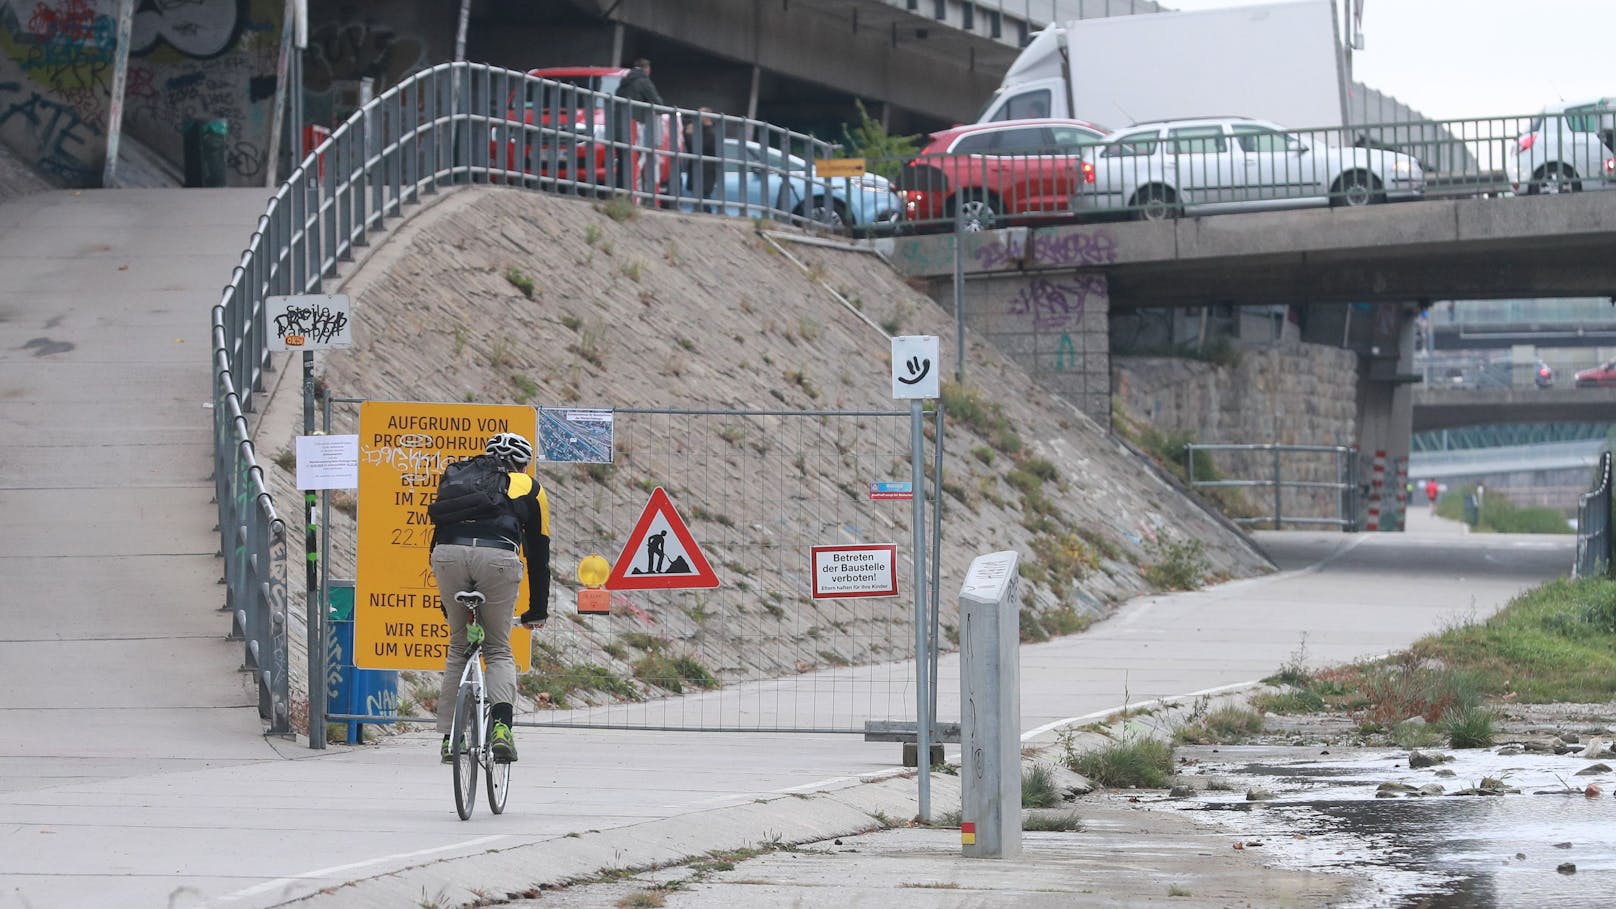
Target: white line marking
x=334, y=869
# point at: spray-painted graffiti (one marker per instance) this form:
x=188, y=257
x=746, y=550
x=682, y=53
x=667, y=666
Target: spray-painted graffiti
x=1056, y=304
x=69, y=48
x=321, y=323
x=199, y=29
x=1049, y=248
x=348, y=49
x=65, y=142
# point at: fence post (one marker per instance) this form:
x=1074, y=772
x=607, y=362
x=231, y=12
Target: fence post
x=1277, y=510
x=990, y=708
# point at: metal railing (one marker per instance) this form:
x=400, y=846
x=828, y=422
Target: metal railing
x=1018, y=175
x=451, y=124
x=1595, y=548
x=1340, y=494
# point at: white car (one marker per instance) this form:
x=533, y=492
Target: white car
x=1174, y=167
x=1567, y=148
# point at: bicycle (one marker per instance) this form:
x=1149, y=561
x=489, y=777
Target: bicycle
x=472, y=726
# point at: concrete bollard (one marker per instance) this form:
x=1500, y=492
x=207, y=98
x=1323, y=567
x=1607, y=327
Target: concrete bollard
x=990, y=708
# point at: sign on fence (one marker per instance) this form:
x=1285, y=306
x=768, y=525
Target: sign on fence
x=403, y=448
x=858, y=570
x=660, y=553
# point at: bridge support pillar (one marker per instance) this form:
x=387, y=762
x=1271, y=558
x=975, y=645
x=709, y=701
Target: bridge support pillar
x=1386, y=416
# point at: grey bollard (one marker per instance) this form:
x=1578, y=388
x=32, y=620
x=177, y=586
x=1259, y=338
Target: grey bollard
x=990, y=708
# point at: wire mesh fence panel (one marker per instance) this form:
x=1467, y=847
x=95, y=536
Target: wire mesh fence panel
x=756, y=490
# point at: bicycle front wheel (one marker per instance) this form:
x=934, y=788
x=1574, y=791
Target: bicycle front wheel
x=499, y=781
x=465, y=739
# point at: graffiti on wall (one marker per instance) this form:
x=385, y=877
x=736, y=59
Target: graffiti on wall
x=206, y=60
x=351, y=49
x=56, y=60
x=1049, y=248
x=1053, y=304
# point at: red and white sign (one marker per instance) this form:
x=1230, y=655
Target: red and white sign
x=858, y=570
x=660, y=553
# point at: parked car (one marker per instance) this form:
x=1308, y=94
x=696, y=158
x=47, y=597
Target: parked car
x=1543, y=375
x=570, y=104
x=1602, y=376
x=1567, y=148
x=1168, y=168
x=988, y=174
x=755, y=178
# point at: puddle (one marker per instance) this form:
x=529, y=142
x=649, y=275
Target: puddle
x=1431, y=852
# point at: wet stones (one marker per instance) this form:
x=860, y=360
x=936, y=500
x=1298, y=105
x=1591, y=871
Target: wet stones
x=1419, y=759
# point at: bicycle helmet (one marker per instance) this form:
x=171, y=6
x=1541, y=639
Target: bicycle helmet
x=511, y=447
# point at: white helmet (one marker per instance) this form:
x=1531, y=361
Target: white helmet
x=511, y=447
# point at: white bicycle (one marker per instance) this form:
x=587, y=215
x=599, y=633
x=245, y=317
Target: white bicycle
x=470, y=734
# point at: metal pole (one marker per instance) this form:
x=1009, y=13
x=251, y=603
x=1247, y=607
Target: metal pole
x=936, y=554
x=922, y=685
x=1276, y=487
x=959, y=295
x=314, y=614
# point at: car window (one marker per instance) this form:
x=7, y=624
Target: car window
x=976, y=143
x=1024, y=141
x=1031, y=105
x=1258, y=139
x=1069, y=137
x=775, y=158
x=1140, y=143
x=1197, y=140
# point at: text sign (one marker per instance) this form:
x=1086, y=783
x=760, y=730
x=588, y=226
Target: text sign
x=915, y=367
x=839, y=167
x=885, y=491
x=403, y=448
x=857, y=570
x=307, y=322
x=327, y=462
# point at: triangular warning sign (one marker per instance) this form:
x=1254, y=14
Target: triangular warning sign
x=660, y=553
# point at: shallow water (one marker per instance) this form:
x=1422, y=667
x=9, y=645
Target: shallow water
x=1432, y=852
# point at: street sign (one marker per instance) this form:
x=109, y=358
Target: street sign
x=307, y=322
x=660, y=553
x=838, y=167
x=403, y=448
x=915, y=367
x=856, y=570
x=892, y=491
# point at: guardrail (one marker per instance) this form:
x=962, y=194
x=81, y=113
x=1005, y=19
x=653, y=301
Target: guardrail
x=1342, y=462
x=1016, y=173
x=449, y=125
x=1595, y=548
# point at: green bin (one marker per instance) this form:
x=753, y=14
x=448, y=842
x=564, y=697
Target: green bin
x=206, y=145
x=350, y=690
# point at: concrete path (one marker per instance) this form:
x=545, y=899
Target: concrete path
x=132, y=768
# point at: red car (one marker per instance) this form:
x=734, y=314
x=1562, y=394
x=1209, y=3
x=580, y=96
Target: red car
x=1006, y=171
x=572, y=100
x=1603, y=376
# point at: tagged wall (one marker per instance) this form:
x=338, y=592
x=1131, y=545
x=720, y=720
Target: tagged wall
x=206, y=60
x=56, y=61
x=382, y=40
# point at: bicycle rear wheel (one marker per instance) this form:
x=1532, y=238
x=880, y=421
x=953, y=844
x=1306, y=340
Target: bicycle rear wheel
x=465, y=741
x=499, y=779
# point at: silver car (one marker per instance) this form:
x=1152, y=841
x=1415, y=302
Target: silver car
x=1169, y=168
x=1567, y=148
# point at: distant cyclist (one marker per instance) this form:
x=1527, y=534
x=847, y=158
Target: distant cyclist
x=488, y=513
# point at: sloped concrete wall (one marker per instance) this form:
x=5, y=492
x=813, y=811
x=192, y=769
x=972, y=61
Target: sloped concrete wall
x=56, y=64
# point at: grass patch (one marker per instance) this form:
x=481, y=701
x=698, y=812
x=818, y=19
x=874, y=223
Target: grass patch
x=520, y=281
x=1224, y=726
x=642, y=899
x=1038, y=789
x=673, y=673
x=983, y=417
x=1143, y=763
x=1469, y=727
x=1414, y=735
x=558, y=680
x=619, y=208
x=525, y=386
x=1056, y=823
x=1290, y=701
x=1176, y=564
x=1499, y=515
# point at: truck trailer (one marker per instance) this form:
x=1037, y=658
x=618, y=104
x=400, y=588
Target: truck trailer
x=1281, y=62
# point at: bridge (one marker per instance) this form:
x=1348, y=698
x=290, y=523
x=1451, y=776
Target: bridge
x=1442, y=408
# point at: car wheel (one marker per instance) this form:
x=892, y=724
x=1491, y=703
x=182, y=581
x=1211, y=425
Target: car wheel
x=975, y=212
x=1155, y=203
x=1554, y=179
x=1356, y=189
x=833, y=216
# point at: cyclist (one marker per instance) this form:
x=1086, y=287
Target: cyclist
x=482, y=554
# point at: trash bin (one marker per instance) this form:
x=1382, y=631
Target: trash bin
x=206, y=142
x=351, y=690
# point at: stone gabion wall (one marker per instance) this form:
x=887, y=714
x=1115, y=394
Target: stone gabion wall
x=1291, y=394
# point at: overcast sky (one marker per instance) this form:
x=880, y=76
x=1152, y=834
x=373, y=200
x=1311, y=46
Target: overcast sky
x=1480, y=58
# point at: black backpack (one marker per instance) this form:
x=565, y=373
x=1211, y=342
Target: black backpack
x=471, y=490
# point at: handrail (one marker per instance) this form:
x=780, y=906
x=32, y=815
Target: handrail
x=1596, y=546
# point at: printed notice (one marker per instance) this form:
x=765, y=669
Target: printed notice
x=327, y=462
x=857, y=570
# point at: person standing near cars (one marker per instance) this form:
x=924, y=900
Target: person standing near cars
x=635, y=87
x=487, y=515
x=702, y=173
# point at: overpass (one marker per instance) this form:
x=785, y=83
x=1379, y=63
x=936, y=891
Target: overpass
x=1441, y=408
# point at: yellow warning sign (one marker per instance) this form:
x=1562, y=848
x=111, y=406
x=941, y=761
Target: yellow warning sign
x=403, y=448
x=838, y=167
